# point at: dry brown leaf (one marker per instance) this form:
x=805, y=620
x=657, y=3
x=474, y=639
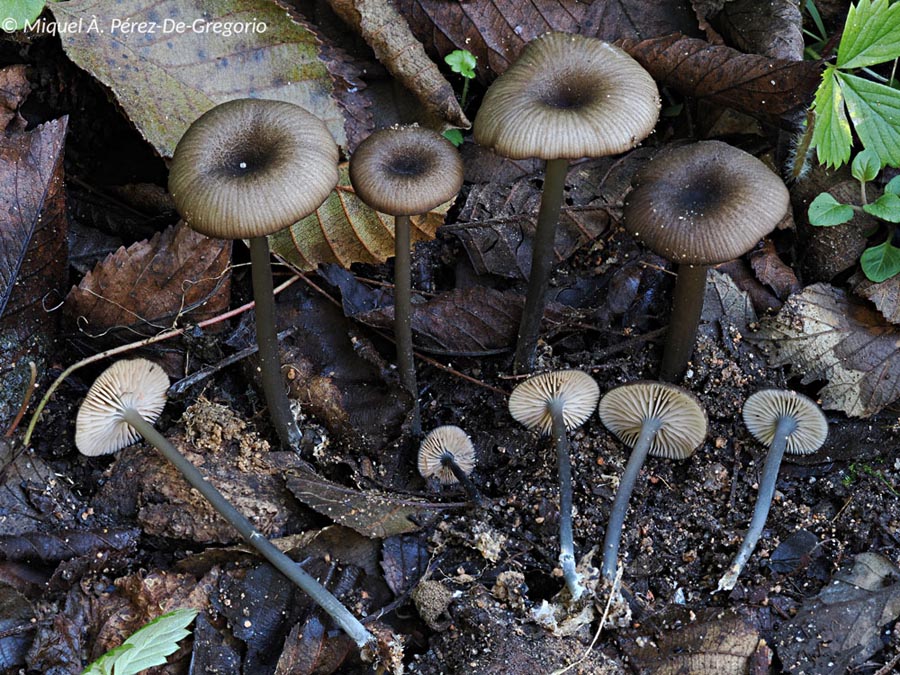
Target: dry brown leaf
x=825, y=335
x=773, y=28
x=14, y=88
x=178, y=274
x=772, y=270
x=885, y=295
x=389, y=36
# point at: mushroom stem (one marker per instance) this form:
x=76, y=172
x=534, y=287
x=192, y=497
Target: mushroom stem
x=449, y=461
x=267, y=341
x=785, y=427
x=402, y=315
x=541, y=264
x=566, y=539
x=620, y=504
x=690, y=287
x=285, y=565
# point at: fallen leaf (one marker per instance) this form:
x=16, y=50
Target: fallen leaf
x=188, y=63
x=309, y=649
x=388, y=34
x=404, y=560
x=773, y=29
x=841, y=627
x=14, y=89
x=794, y=552
x=825, y=335
x=885, y=295
x=53, y=547
x=371, y=513
x=772, y=271
x=343, y=231
x=177, y=276
x=16, y=620
x=724, y=302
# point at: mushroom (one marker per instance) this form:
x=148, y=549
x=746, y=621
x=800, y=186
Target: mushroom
x=699, y=205
x=122, y=405
x=565, y=97
x=448, y=455
x=785, y=421
x=405, y=171
x=654, y=418
x=244, y=170
x=554, y=403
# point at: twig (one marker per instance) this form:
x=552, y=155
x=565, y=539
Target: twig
x=26, y=399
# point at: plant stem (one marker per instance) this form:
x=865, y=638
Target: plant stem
x=541, y=264
x=465, y=93
x=285, y=565
x=687, y=304
x=784, y=428
x=566, y=539
x=267, y=341
x=402, y=316
x=623, y=495
x=464, y=480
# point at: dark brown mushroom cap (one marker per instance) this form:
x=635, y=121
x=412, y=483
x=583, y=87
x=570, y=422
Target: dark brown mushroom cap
x=136, y=383
x=251, y=167
x=704, y=203
x=405, y=171
x=568, y=96
x=762, y=410
x=439, y=442
x=529, y=402
x=624, y=409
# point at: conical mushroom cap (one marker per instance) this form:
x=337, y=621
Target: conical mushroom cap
x=762, y=410
x=704, y=203
x=568, y=96
x=624, y=409
x=441, y=441
x=529, y=402
x=405, y=171
x=251, y=167
x=138, y=384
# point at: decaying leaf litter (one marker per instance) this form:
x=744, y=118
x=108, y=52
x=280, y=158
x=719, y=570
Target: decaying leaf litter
x=93, y=549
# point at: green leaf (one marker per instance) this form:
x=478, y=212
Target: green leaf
x=16, y=14
x=874, y=109
x=886, y=207
x=147, y=647
x=463, y=62
x=826, y=211
x=880, y=263
x=831, y=136
x=893, y=186
x=871, y=34
x=865, y=166
x=454, y=136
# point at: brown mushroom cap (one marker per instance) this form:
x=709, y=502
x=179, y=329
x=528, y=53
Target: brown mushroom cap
x=565, y=97
x=704, y=203
x=405, y=171
x=251, y=167
x=624, y=409
x=138, y=384
x=440, y=442
x=762, y=410
x=529, y=402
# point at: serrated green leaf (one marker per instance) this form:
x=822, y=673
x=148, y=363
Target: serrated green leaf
x=16, y=14
x=831, y=136
x=886, y=207
x=880, y=263
x=463, y=62
x=865, y=166
x=893, y=186
x=874, y=109
x=147, y=647
x=826, y=211
x=871, y=34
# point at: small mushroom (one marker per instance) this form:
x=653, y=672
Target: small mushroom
x=565, y=97
x=448, y=455
x=244, y=170
x=654, y=418
x=699, y=205
x=785, y=421
x=122, y=405
x=554, y=403
x=405, y=171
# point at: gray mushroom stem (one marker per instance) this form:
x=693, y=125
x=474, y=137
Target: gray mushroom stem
x=613, y=536
x=267, y=340
x=566, y=538
x=687, y=304
x=541, y=264
x=342, y=616
x=402, y=315
x=449, y=461
x=787, y=424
